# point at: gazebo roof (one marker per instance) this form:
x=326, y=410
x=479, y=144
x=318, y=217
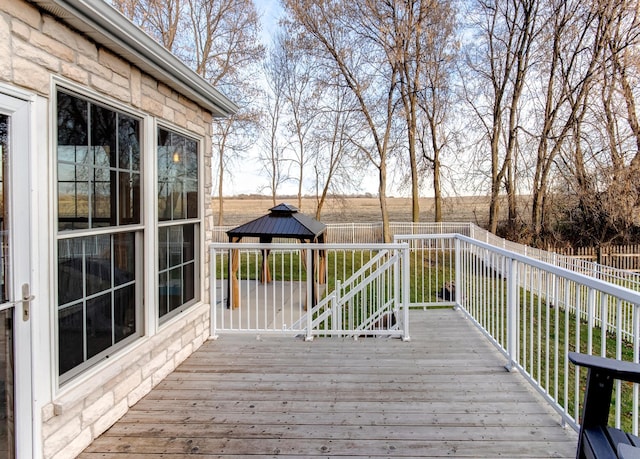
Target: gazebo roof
x=282, y=221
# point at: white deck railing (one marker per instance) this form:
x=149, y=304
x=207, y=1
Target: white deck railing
x=534, y=306
x=355, y=290
x=357, y=233
x=535, y=313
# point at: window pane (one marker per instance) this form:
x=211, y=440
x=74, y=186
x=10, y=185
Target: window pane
x=163, y=248
x=73, y=205
x=188, y=249
x=129, y=195
x=99, y=324
x=124, y=309
x=102, y=199
x=175, y=202
x=101, y=157
x=164, y=137
x=103, y=135
x=75, y=154
x=124, y=258
x=73, y=195
x=188, y=280
x=128, y=143
x=70, y=276
x=191, y=191
x=7, y=385
x=178, y=198
x=72, y=120
x=175, y=244
x=4, y=223
x=98, y=264
x=175, y=288
x=70, y=338
x=164, y=208
x=191, y=160
x=70, y=173
x=163, y=294
x=177, y=176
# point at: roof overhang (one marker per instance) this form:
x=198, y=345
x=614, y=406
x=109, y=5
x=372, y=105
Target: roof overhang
x=111, y=29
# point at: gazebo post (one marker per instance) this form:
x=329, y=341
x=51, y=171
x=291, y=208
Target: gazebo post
x=265, y=275
x=233, y=290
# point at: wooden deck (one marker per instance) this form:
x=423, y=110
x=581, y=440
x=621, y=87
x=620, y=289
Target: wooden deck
x=444, y=393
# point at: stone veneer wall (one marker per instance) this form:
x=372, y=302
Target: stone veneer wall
x=34, y=46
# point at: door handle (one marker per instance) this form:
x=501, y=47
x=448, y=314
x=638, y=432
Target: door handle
x=26, y=300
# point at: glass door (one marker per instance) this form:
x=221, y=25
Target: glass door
x=15, y=339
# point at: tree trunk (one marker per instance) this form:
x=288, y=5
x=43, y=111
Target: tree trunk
x=437, y=192
x=382, y=193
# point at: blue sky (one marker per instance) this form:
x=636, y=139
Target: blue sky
x=269, y=11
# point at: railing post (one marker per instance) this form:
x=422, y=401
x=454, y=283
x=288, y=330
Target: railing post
x=457, y=275
x=310, y=288
x=636, y=359
x=336, y=309
x=405, y=292
x=512, y=315
x=213, y=294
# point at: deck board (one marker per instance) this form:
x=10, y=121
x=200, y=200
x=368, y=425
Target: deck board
x=443, y=394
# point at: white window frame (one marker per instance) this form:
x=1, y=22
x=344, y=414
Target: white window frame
x=198, y=222
x=140, y=231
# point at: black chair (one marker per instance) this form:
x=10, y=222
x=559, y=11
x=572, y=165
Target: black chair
x=596, y=438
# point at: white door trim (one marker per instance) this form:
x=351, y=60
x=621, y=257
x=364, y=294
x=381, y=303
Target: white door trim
x=18, y=187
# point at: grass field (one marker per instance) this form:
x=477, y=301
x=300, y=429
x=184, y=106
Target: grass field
x=475, y=209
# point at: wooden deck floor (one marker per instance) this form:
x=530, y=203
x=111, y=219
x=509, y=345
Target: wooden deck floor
x=444, y=393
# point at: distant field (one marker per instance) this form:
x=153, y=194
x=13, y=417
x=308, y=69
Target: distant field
x=358, y=209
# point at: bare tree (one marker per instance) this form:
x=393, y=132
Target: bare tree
x=499, y=62
x=604, y=157
x=577, y=39
x=435, y=94
x=342, y=35
x=400, y=27
x=159, y=18
x=335, y=161
x=272, y=155
x=298, y=73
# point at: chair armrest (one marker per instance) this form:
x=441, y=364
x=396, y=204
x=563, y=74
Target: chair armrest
x=628, y=452
x=618, y=369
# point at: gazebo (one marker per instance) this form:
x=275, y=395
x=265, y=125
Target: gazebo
x=282, y=221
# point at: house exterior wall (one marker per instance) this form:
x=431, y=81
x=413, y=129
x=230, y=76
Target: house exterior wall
x=37, y=52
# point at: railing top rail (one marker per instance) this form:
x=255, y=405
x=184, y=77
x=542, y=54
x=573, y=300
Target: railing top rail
x=623, y=293
x=303, y=246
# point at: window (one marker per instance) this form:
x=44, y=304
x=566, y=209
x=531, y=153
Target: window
x=99, y=231
x=179, y=225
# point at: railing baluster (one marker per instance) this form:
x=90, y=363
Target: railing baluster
x=512, y=306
